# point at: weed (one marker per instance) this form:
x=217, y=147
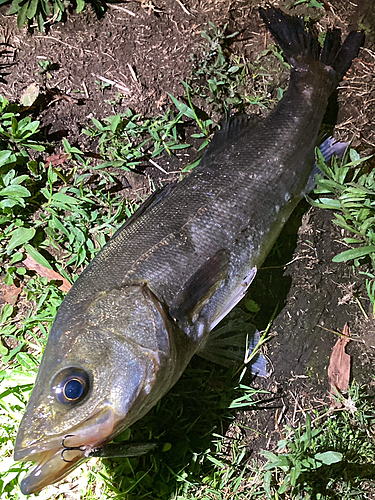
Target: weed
x=16, y=182
x=329, y=457
x=308, y=3
x=49, y=207
x=102, y=85
x=129, y=141
x=348, y=188
x=116, y=101
x=42, y=11
x=46, y=66
x=225, y=81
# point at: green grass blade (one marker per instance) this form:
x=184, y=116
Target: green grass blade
x=354, y=253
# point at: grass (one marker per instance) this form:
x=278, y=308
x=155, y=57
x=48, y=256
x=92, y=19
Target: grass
x=330, y=456
x=128, y=140
x=226, y=82
x=43, y=12
x=62, y=216
x=309, y=3
x=348, y=188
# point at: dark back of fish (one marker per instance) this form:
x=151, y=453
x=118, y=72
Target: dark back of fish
x=240, y=195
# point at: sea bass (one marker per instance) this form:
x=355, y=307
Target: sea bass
x=148, y=301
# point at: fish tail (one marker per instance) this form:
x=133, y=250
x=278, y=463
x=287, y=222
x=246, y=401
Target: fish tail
x=300, y=46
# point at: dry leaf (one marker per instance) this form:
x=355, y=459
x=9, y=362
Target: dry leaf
x=30, y=263
x=339, y=365
x=30, y=95
x=55, y=160
x=9, y=293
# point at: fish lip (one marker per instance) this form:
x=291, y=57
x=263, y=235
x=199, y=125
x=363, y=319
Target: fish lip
x=51, y=462
x=37, y=453
x=50, y=468
x=31, y=453
x=90, y=433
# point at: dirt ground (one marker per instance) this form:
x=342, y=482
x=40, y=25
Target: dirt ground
x=145, y=47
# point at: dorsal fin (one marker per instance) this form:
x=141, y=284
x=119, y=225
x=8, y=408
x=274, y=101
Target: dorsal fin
x=154, y=198
x=230, y=130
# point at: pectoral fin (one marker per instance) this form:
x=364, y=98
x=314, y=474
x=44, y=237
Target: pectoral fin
x=197, y=291
x=237, y=294
x=226, y=344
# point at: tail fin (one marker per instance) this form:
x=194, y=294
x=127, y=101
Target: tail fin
x=301, y=46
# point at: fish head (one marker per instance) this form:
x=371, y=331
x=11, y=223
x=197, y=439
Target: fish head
x=96, y=378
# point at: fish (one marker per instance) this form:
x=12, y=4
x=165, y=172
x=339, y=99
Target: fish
x=148, y=301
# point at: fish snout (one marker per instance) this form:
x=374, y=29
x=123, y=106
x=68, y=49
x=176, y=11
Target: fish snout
x=57, y=456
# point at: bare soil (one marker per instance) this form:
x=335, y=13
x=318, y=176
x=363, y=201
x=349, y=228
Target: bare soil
x=146, y=47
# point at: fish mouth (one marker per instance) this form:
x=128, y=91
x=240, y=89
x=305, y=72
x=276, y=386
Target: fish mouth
x=49, y=468
x=57, y=456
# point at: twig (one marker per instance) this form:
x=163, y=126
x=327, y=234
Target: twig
x=277, y=422
x=120, y=86
x=183, y=7
x=369, y=52
x=334, y=13
x=300, y=408
x=123, y=9
x=132, y=72
x=73, y=47
x=85, y=89
x=51, y=20
x=361, y=308
x=64, y=43
x=295, y=408
x=341, y=334
x=158, y=166
x=287, y=264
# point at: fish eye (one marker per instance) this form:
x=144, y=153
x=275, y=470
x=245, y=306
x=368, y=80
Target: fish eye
x=71, y=385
